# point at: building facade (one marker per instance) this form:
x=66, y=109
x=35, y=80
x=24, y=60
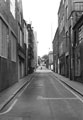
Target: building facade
x=17, y=44
x=69, y=13
x=78, y=48
x=62, y=38
x=56, y=52
x=75, y=11
x=8, y=43
x=26, y=46
x=35, y=62
x=21, y=44
x=30, y=48
x=50, y=59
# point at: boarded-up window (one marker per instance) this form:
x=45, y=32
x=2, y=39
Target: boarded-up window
x=13, y=48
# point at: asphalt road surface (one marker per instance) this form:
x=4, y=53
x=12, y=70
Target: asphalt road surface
x=45, y=98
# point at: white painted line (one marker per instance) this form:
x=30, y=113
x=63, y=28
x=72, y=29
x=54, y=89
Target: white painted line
x=46, y=98
x=10, y=107
x=70, y=90
x=23, y=90
x=15, y=100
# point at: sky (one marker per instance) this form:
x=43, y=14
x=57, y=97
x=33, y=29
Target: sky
x=43, y=16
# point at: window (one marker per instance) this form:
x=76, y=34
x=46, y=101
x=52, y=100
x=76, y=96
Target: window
x=78, y=6
x=80, y=34
x=67, y=39
x=3, y=39
x=13, y=48
x=25, y=35
x=61, y=25
x=20, y=18
x=12, y=7
x=20, y=37
x=66, y=13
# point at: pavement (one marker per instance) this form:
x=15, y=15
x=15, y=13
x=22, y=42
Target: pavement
x=7, y=95
x=76, y=86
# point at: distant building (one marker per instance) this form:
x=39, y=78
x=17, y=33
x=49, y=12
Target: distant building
x=56, y=52
x=35, y=50
x=50, y=57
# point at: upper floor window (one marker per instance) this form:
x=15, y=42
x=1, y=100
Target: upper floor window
x=12, y=7
x=21, y=38
x=13, y=48
x=78, y=6
x=80, y=34
x=20, y=18
x=66, y=13
x=67, y=39
x=4, y=32
x=61, y=25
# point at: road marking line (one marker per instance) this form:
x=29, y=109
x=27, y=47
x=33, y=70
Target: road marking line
x=46, y=98
x=70, y=90
x=23, y=89
x=9, y=107
x=16, y=99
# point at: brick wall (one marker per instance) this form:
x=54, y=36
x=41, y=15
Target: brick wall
x=8, y=76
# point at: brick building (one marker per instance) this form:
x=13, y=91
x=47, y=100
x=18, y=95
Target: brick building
x=21, y=44
x=69, y=13
x=78, y=49
x=8, y=43
x=61, y=27
x=50, y=58
x=26, y=46
x=30, y=48
x=35, y=61
x=73, y=10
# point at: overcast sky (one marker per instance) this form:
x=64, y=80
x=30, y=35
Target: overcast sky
x=43, y=14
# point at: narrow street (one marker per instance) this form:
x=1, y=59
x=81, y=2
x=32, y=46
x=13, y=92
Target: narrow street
x=45, y=98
